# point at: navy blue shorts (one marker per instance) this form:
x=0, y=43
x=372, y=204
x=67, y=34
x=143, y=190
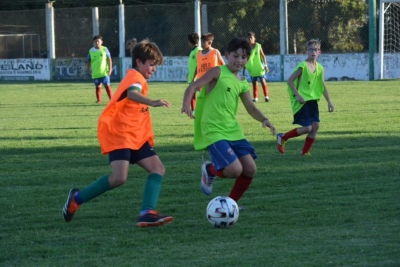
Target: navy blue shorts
x=254, y=79
x=102, y=80
x=308, y=114
x=132, y=156
x=224, y=152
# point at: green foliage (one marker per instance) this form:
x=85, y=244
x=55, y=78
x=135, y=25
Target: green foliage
x=339, y=207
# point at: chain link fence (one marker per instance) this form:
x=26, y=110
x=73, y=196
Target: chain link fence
x=341, y=28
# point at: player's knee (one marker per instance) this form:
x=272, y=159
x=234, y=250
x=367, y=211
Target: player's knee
x=233, y=170
x=308, y=129
x=315, y=127
x=250, y=171
x=158, y=169
x=117, y=179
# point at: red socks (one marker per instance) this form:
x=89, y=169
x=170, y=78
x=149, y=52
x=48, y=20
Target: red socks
x=98, y=93
x=255, y=91
x=242, y=183
x=290, y=134
x=109, y=91
x=265, y=89
x=214, y=172
x=307, y=145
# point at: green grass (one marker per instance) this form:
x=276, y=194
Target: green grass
x=339, y=207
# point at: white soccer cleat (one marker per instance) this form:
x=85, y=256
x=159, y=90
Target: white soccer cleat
x=207, y=179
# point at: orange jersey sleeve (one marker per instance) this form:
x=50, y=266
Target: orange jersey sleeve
x=125, y=123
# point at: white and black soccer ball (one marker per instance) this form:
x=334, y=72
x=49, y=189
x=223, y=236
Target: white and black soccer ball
x=222, y=211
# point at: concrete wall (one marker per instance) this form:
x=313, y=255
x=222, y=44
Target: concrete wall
x=337, y=67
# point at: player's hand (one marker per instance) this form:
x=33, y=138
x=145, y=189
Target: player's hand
x=300, y=99
x=266, y=69
x=187, y=110
x=161, y=103
x=331, y=108
x=267, y=123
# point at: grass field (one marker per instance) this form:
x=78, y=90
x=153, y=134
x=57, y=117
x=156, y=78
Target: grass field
x=339, y=207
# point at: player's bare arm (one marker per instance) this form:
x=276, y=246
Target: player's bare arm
x=109, y=61
x=136, y=96
x=89, y=67
x=331, y=108
x=264, y=59
x=255, y=113
x=296, y=75
x=220, y=58
x=208, y=78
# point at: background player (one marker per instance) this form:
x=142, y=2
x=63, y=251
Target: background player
x=257, y=66
x=99, y=65
x=305, y=87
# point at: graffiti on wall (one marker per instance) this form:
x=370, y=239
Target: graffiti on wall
x=74, y=69
x=174, y=69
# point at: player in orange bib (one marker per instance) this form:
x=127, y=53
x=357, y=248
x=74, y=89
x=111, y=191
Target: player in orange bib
x=207, y=58
x=125, y=133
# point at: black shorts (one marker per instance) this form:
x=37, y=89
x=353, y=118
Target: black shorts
x=308, y=114
x=132, y=156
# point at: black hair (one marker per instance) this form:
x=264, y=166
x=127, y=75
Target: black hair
x=98, y=37
x=193, y=38
x=237, y=43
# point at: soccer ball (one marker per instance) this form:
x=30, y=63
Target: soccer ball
x=222, y=212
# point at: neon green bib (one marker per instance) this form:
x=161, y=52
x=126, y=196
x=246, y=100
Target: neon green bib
x=192, y=63
x=98, y=62
x=311, y=85
x=254, y=65
x=215, y=114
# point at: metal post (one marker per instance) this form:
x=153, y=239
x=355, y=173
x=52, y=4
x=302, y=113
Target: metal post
x=197, y=21
x=204, y=18
x=372, y=37
x=283, y=35
x=51, y=47
x=381, y=37
x=121, y=28
x=95, y=21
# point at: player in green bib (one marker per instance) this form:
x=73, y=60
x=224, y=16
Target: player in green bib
x=305, y=87
x=193, y=40
x=99, y=65
x=216, y=128
x=257, y=66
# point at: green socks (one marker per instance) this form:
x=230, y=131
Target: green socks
x=151, y=191
x=95, y=189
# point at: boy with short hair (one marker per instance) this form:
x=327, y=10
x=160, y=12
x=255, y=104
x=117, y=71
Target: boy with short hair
x=130, y=44
x=216, y=127
x=99, y=65
x=207, y=58
x=305, y=87
x=125, y=133
x=193, y=40
x=257, y=66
